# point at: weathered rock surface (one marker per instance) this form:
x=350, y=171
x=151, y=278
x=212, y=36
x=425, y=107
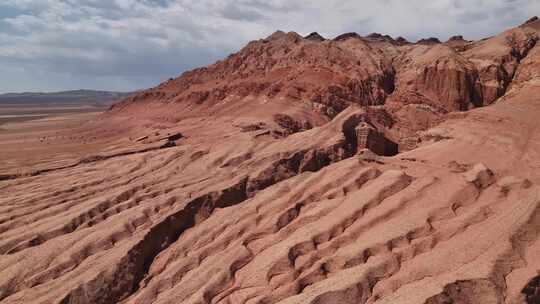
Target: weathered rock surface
x=269, y=194
x=480, y=176
x=315, y=36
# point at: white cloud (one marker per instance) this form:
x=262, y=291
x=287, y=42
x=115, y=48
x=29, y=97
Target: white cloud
x=137, y=43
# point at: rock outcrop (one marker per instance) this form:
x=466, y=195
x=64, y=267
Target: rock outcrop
x=431, y=40
x=315, y=37
x=346, y=36
x=368, y=137
x=401, y=41
x=456, y=38
x=480, y=176
x=288, y=73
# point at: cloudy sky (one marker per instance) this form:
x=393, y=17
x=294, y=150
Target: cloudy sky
x=48, y=45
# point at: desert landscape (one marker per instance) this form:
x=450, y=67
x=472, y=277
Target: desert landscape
x=300, y=169
x=30, y=121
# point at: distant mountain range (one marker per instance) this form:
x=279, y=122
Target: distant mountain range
x=90, y=97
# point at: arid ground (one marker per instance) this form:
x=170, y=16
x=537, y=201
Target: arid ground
x=31, y=133
x=298, y=170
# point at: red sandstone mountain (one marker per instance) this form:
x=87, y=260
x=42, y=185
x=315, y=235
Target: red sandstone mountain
x=312, y=79
x=298, y=170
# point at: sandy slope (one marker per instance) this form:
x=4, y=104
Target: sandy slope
x=241, y=211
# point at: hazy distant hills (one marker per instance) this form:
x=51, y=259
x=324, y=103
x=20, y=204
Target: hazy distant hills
x=78, y=97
